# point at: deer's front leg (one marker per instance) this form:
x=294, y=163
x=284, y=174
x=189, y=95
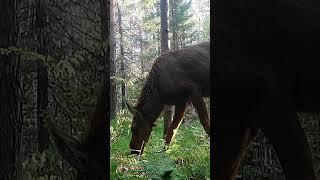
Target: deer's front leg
x=178, y=115
x=201, y=109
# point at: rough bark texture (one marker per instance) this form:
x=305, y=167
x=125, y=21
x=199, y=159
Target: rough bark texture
x=164, y=25
x=42, y=75
x=141, y=50
x=10, y=95
x=105, y=31
x=113, y=85
x=123, y=86
x=87, y=153
x=103, y=109
x=174, y=24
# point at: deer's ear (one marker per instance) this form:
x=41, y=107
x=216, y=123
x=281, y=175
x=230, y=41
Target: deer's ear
x=131, y=108
x=68, y=147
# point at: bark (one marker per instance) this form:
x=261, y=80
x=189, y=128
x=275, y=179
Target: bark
x=113, y=85
x=174, y=24
x=10, y=95
x=42, y=75
x=123, y=86
x=141, y=48
x=168, y=110
x=105, y=31
x=100, y=121
x=164, y=25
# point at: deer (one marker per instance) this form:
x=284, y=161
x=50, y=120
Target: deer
x=87, y=154
x=264, y=73
x=316, y=164
x=177, y=78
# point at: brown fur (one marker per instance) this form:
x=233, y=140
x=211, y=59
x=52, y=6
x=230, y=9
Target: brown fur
x=177, y=78
x=264, y=74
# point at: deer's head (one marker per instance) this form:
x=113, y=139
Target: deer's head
x=86, y=155
x=140, y=130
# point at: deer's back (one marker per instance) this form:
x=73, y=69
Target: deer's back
x=182, y=71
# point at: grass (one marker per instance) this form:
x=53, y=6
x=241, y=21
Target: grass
x=188, y=156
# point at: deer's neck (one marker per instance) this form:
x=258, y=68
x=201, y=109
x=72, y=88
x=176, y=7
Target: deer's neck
x=150, y=104
x=151, y=107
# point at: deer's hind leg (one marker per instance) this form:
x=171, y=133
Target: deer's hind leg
x=179, y=112
x=229, y=148
x=279, y=122
x=200, y=106
x=288, y=138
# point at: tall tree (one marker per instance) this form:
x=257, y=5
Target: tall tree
x=10, y=94
x=123, y=85
x=164, y=35
x=113, y=85
x=105, y=31
x=106, y=11
x=181, y=24
x=174, y=42
x=141, y=52
x=42, y=74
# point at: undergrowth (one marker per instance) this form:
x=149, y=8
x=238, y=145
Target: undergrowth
x=188, y=156
x=47, y=165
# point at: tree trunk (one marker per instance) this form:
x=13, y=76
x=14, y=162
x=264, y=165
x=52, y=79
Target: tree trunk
x=10, y=95
x=168, y=110
x=42, y=75
x=141, y=48
x=183, y=39
x=123, y=85
x=174, y=24
x=105, y=35
x=113, y=84
x=105, y=31
x=159, y=42
x=164, y=34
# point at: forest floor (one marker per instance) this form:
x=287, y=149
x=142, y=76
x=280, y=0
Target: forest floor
x=188, y=156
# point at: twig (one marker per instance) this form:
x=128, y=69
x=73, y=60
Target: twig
x=140, y=150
